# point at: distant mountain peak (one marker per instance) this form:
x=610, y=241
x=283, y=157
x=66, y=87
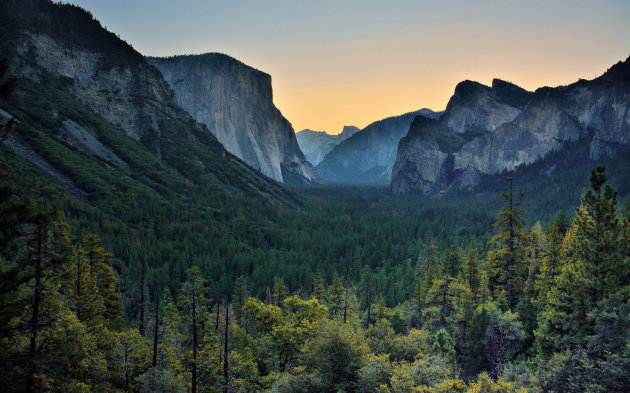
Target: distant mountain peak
x=316, y=144
x=367, y=157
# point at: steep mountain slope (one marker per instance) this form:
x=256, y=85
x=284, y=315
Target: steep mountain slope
x=235, y=102
x=316, y=144
x=69, y=68
x=504, y=134
x=99, y=123
x=368, y=157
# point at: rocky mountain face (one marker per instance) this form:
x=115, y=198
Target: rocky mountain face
x=435, y=143
x=235, y=102
x=367, y=157
x=479, y=109
x=316, y=144
x=490, y=130
x=132, y=96
x=80, y=85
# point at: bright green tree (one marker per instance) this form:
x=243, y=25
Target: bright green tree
x=131, y=357
x=102, y=279
x=335, y=355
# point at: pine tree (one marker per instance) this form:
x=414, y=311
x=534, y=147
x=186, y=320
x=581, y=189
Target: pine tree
x=367, y=292
x=439, y=301
x=133, y=356
x=143, y=279
x=463, y=307
x=594, y=276
x=472, y=274
x=550, y=266
x=507, y=262
x=504, y=336
x=318, y=286
x=240, y=296
x=429, y=271
x=43, y=243
x=280, y=292
x=101, y=276
x=14, y=213
x=87, y=303
x=193, y=305
x=452, y=261
x=335, y=296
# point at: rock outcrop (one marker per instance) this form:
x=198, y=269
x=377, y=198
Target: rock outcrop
x=130, y=94
x=504, y=127
x=316, y=144
x=435, y=143
x=367, y=157
x=478, y=109
x=235, y=102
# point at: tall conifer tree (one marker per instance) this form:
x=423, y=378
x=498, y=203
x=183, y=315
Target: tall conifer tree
x=507, y=262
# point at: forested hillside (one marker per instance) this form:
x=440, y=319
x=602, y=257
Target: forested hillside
x=543, y=309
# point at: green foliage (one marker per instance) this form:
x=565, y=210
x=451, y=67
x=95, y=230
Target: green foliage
x=161, y=381
x=507, y=262
x=595, y=271
x=131, y=358
x=504, y=336
x=280, y=292
x=335, y=296
x=376, y=374
x=336, y=354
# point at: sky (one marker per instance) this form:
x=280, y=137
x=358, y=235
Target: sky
x=352, y=62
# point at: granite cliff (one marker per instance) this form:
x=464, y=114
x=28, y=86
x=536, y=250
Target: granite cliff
x=316, y=144
x=235, y=102
x=367, y=157
x=492, y=130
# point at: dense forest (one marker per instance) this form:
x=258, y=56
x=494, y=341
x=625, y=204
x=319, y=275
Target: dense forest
x=191, y=272
x=514, y=308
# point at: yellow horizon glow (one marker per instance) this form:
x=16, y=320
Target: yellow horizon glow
x=329, y=108
x=396, y=83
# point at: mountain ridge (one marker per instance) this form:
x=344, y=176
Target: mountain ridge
x=502, y=137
